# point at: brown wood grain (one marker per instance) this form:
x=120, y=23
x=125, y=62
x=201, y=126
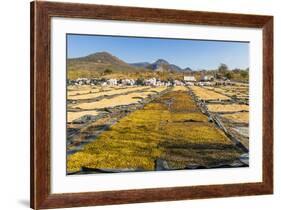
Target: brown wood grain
x=41, y=14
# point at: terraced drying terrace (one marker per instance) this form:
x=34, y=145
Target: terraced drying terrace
x=147, y=128
x=207, y=95
x=231, y=113
x=239, y=92
x=100, y=107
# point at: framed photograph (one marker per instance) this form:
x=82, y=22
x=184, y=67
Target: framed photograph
x=136, y=105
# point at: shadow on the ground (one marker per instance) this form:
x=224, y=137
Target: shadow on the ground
x=23, y=202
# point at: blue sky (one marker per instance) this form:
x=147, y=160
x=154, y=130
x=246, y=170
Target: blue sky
x=196, y=54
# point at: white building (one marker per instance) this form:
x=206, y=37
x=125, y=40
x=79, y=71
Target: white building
x=160, y=83
x=189, y=79
x=178, y=83
x=82, y=81
x=206, y=78
x=129, y=82
x=112, y=82
x=151, y=81
x=103, y=84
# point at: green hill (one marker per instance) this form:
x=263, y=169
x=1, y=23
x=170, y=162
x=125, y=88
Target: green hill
x=100, y=62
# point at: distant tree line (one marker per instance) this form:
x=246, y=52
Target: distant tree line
x=236, y=74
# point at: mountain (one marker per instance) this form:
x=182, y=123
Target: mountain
x=175, y=67
x=187, y=69
x=102, y=61
x=163, y=65
x=160, y=65
x=102, y=57
x=140, y=64
x=99, y=61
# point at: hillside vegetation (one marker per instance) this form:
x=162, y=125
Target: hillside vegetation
x=104, y=65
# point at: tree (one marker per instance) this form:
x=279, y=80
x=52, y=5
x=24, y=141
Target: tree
x=229, y=75
x=107, y=71
x=140, y=81
x=236, y=70
x=218, y=76
x=244, y=74
x=223, y=68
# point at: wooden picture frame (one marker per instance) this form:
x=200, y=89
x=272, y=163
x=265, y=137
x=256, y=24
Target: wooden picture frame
x=41, y=14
